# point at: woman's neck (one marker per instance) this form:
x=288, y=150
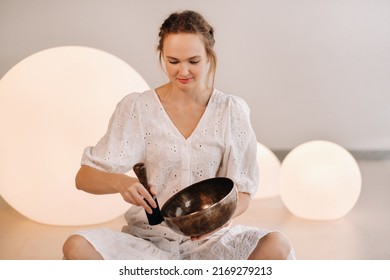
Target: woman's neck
x=169, y=93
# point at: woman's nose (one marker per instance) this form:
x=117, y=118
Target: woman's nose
x=184, y=69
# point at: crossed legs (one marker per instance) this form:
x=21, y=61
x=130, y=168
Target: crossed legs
x=273, y=246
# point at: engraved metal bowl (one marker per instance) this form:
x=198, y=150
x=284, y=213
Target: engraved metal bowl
x=202, y=207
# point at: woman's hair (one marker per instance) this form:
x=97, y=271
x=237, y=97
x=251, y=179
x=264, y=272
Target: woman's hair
x=193, y=23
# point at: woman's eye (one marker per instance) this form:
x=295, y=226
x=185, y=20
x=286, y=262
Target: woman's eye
x=173, y=62
x=194, y=62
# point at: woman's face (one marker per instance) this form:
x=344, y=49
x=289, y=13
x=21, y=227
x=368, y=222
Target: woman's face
x=185, y=60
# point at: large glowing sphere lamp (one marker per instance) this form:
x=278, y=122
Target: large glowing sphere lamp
x=53, y=104
x=319, y=180
x=269, y=167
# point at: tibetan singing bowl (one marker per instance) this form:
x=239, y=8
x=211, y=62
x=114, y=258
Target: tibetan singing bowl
x=202, y=207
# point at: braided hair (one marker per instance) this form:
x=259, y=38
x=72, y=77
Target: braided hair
x=193, y=23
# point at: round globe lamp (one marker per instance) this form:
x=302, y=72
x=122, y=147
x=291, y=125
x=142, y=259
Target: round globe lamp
x=53, y=104
x=269, y=167
x=319, y=180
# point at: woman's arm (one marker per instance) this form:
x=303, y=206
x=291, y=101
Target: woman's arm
x=242, y=204
x=96, y=181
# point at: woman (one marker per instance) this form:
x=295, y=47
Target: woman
x=184, y=131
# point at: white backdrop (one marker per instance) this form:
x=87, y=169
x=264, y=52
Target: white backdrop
x=309, y=69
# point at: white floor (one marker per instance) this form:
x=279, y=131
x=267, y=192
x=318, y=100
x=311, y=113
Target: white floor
x=364, y=234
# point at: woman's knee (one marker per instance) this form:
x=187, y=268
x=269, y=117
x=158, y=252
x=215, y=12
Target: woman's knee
x=281, y=243
x=71, y=246
x=274, y=245
x=77, y=247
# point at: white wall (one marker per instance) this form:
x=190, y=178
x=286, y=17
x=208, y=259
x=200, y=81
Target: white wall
x=309, y=69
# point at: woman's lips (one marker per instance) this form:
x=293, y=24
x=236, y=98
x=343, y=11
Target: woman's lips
x=184, y=81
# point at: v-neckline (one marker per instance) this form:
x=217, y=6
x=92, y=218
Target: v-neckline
x=169, y=120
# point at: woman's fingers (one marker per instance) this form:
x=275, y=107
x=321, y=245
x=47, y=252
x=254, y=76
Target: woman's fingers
x=136, y=194
x=152, y=190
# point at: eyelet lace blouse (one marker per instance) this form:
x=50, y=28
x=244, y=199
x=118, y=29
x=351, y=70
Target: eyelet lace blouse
x=223, y=144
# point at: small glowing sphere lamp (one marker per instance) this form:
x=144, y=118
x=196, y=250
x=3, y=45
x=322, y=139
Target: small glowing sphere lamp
x=269, y=166
x=319, y=180
x=53, y=104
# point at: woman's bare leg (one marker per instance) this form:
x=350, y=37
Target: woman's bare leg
x=77, y=247
x=273, y=246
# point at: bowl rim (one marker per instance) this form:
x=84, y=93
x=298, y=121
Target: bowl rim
x=230, y=181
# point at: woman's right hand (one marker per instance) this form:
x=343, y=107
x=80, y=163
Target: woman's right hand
x=96, y=181
x=136, y=194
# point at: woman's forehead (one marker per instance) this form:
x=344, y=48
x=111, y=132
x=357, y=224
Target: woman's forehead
x=183, y=46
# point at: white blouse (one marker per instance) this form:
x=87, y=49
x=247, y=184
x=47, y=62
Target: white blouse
x=222, y=144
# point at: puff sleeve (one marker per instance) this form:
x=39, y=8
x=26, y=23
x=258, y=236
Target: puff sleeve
x=240, y=156
x=121, y=146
